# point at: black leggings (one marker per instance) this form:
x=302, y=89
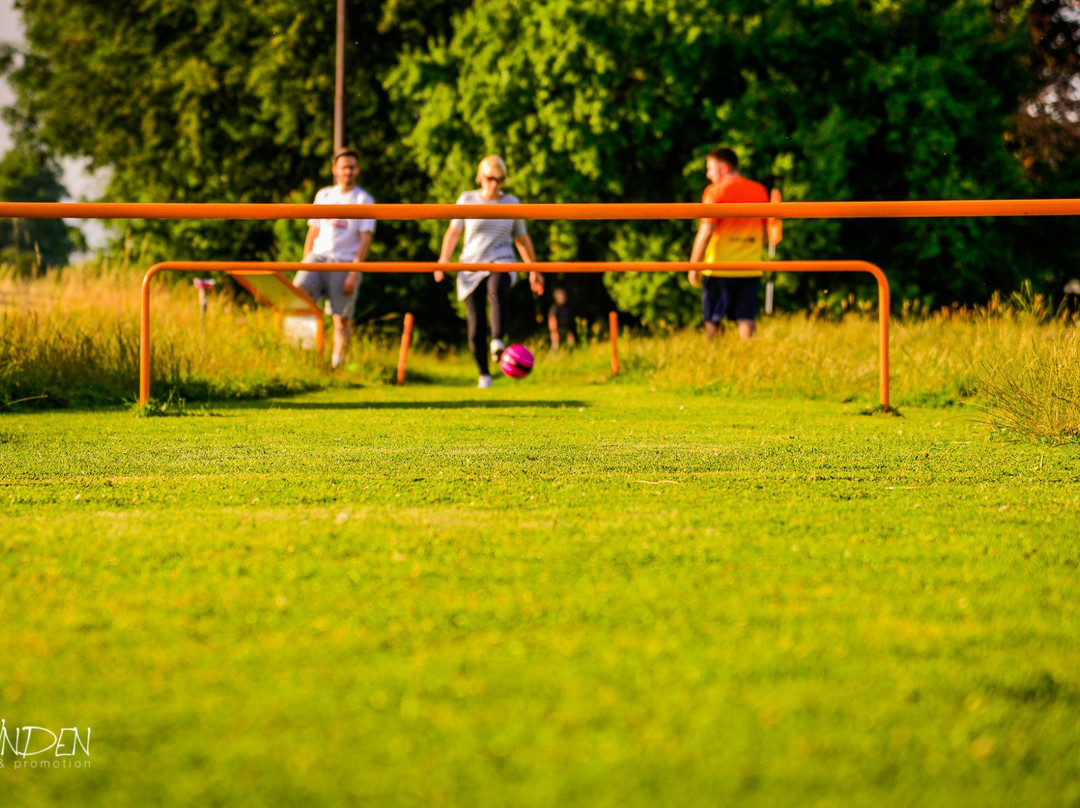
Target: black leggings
x=495, y=287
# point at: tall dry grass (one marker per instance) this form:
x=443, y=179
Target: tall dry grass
x=1015, y=359
x=71, y=338
x=794, y=354
x=1029, y=384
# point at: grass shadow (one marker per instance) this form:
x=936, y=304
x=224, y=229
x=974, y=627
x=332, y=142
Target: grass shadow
x=422, y=405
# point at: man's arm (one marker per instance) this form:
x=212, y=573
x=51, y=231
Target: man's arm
x=365, y=244
x=309, y=242
x=361, y=255
x=701, y=241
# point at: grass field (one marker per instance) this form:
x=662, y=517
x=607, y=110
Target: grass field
x=561, y=592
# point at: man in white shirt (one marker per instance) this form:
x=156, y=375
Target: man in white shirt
x=338, y=241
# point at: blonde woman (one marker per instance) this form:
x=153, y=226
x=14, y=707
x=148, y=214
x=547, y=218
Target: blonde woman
x=488, y=241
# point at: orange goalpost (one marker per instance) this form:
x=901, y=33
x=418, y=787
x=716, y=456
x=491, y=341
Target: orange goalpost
x=548, y=266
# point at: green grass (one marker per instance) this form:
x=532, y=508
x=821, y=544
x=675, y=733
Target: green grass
x=554, y=593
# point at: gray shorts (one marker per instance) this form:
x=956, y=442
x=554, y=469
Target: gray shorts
x=328, y=286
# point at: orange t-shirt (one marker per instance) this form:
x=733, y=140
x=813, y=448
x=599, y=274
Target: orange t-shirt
x=735, y=239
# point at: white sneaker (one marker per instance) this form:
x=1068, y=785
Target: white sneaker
x=497, y=348
x=485, y=383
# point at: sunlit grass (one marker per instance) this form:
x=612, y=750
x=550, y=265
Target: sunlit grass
x=1034, y=389
x=708, y=580
x=72, y=338
x=546, y=594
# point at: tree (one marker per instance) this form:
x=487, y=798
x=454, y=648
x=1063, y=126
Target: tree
x=209, y=100
x=842, y=100
x=28, y=174
x=220, y=101
x=1045, y=131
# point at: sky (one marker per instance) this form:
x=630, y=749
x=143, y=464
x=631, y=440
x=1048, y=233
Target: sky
x=79, y=184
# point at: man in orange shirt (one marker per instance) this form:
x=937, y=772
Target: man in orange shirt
x=731, y=294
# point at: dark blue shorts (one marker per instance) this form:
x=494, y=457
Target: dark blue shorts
x=742, y=297
x=730, y=298
x=714, y=299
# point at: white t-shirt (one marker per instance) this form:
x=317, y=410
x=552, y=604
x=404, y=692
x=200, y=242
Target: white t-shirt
x=487, y=241
x=340, y=238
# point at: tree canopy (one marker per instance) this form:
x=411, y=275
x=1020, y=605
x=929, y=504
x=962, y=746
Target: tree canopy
x=839, y=100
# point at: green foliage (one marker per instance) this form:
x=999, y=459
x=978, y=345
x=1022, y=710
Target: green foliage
x=842, y=100
x=216, y=101
x=187, y=102
x=29, y=174
x=213, y=101
x=660, y=299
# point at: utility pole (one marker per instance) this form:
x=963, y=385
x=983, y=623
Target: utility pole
x=339, y=80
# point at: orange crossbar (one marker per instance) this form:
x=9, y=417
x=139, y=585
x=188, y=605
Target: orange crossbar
x=550, y=266
x=939, y=208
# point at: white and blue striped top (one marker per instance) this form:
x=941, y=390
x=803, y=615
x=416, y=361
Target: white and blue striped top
x=487, y=241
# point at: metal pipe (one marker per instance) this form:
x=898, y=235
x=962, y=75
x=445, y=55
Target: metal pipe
x=551, y=266
x=590, y=211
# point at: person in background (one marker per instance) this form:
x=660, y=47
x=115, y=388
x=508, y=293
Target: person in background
x=729, y=294
x=338, y=241
x=561, y=321
x=488, y=241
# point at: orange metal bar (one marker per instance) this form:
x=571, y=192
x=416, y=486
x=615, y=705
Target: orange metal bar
x=613, y=327
x=406, y=338
x=551, y=266
x=588, y=211
x=618, y=211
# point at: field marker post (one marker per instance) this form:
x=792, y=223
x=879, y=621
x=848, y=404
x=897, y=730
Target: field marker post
x=613, y=327
x=406, y=338
x=203, y=285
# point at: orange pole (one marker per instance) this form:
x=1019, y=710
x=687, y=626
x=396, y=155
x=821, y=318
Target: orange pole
x=406, y=338
x=613, y=326
x=586, y=211
x=884, y=304
x=551, y=266
x=144, y=336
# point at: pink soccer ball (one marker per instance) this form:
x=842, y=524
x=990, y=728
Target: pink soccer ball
x=517, y=361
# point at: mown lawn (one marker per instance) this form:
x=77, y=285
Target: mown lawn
x=557, y=595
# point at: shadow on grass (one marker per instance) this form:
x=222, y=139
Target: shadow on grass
x=419, y=405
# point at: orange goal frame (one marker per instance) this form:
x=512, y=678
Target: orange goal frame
x=624, y=211
x=547, y=266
